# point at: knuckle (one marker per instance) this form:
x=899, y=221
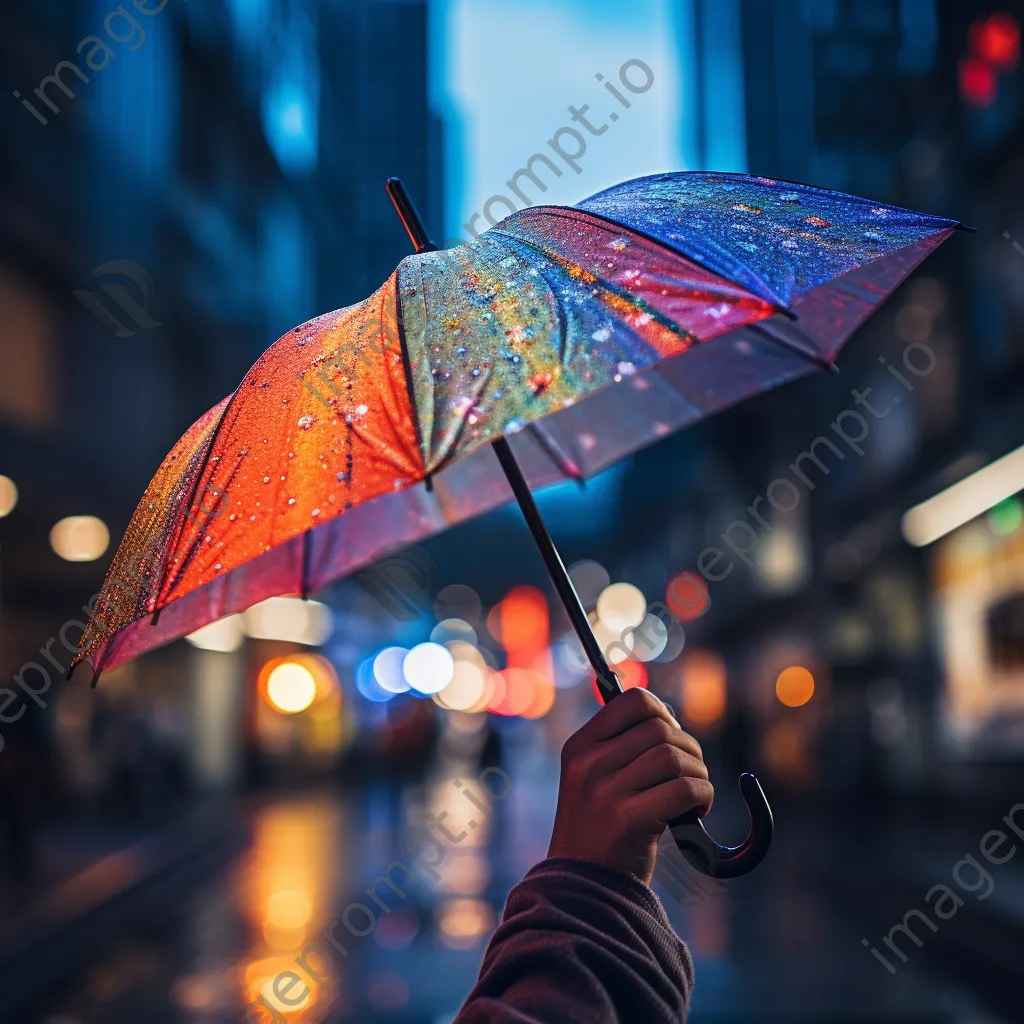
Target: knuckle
x=669, y=756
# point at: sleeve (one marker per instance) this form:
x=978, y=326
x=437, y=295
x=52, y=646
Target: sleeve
x=579, y=943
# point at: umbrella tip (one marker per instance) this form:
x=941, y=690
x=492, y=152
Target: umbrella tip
x=787, y=312
x=966, y=227
x=833, y=367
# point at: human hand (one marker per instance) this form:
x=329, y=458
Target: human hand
x=625, y=774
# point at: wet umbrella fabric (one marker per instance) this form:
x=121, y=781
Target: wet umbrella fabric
x=580, y=333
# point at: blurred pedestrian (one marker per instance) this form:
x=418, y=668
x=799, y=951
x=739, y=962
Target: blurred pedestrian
x=583, y=939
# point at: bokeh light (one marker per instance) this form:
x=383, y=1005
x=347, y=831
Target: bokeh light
x=997, y=40
x=524, y=618
x=589, y=578
x=225, y=635
x=621, y=606
x=631, y=674
x=448, y=630
x=428, y=668
x=80, y=538
x=687, y=596
x=463, y=923
x=290, y=619
x=517, y=694
x=1006, y=518
x=388, y=669
x=649, y=639
x=795, y=686
x=543, y=697
x=703, y=690
x=458, y=601
x=468, y=684
x=290, y=687
x=367, y=682
x=8, y=496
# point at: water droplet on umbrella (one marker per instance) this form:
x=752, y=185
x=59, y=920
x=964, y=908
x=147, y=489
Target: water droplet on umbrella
x=341, y=476
x=291, y=501
x=304, y=341
x=266, y=479
x=305, y=422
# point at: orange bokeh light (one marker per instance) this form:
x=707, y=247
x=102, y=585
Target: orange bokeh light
x=518, y=695
x=795, y=686
x=524, y=620
x=703, y=687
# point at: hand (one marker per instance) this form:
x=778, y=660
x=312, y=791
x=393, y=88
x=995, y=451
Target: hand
x=625, y=775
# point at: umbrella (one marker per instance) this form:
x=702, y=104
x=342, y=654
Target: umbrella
x=564, y=338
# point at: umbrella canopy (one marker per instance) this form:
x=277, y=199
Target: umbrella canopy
x=579, y=333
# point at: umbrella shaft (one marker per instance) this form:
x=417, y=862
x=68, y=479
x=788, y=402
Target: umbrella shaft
x=606, y=681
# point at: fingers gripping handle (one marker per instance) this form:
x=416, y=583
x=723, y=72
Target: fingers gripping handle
x=710, y=857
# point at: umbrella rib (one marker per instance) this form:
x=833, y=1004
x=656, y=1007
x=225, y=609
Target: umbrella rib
x=607, y=286
x=558, y=457
x=556, y=211
x=199, y=478
x=410, y=385
x=793, y=345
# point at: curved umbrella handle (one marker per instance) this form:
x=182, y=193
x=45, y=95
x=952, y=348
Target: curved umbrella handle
x=710, y=857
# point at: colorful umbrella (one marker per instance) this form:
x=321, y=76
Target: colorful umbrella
x=371, y=427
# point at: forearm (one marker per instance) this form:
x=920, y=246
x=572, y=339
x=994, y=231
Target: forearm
x=579, y=942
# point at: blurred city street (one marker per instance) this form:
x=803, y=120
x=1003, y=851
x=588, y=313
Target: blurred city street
x=287, y=658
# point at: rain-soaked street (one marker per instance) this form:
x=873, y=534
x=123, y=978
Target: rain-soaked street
x=785, y=949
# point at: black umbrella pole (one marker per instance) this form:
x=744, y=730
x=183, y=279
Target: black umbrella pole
x=606, y=680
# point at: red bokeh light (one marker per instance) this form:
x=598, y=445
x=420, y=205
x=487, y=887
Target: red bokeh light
x=997, y=40
x=630, y=673
x=977, y=81
x=687, y=596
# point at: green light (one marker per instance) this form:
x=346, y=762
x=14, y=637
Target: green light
x=1005, y=518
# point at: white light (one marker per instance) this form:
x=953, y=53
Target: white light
x=223, y=635
x=448, y=630
x=781, y=559
x=80, y=538
x=970, y=497
x=291, y=687
x=621, y=606
x=428, y=668
x=466, y=687
x=649, y=639
x=8, y=496
x=291, y=619
x=387, y=669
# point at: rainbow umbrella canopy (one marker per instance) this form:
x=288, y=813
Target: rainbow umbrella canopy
x=579, y=334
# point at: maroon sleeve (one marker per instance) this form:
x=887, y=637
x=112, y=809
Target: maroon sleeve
x=579, y=943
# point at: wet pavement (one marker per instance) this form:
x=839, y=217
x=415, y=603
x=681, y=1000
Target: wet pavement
x=780, y=945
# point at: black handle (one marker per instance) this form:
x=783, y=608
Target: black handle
x=714, y=859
